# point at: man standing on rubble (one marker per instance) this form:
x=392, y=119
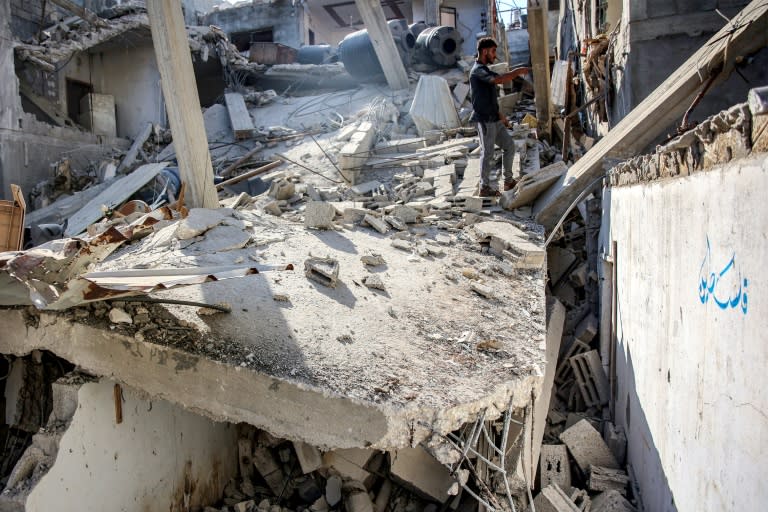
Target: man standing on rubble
x=491, y=124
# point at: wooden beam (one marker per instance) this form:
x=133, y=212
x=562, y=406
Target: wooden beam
x=746, y=33
x=242, y=124
x=174, y=61
x=539, y=42
x=383, y=44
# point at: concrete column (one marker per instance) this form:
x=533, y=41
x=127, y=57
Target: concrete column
x=169, y=36
x=383, y=44
x=539, y=41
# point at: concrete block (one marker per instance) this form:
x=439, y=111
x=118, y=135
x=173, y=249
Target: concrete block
x=554, y=466
x=269, y=469
x=558, y=262
x=365, y=188
x=587, y=447
x=319, y=215
x=606, y=479
x=590, y=376
x=611, y=501
x=355, y=152
x=310, y=457
x=587, y=329
x=323, y=270
x=405, y=213
x=281, y=189
x=564, y=368
x=349, y=463
x=553, y=499
x=199, y=221
x=420, y=471
x=377, y=224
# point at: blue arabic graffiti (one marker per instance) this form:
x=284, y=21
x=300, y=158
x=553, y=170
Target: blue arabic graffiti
x=727, y=288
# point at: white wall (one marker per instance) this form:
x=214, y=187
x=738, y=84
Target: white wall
x=140, y=464
x=692, y=374
x=129, y=74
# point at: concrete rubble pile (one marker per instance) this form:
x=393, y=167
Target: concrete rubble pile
x=333, y=196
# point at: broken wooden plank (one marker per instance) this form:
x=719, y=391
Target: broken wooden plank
x=242, y=124
x=138, y=142
x=171, y=44
x=560, y=84
x=746, y=33
x=120, y=190
x=375, y=21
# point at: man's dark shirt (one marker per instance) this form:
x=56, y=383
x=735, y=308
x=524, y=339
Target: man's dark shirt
x=483, y=93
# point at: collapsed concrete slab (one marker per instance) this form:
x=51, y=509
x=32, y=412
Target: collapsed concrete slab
x=344, y=367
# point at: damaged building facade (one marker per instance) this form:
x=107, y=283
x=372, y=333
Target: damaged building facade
x=353, y=327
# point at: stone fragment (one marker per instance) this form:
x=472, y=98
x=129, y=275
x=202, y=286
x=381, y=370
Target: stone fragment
x=319, y=215
x=481, y=289
x=119, y=316
x=377, y=224
x=323, y=270
x=354, y=215
x=587, y=447
x=372, y=260
x=443, y=239
x=396, y=223
x=221, y=239
x=374, y=281
x=282, y=189
x=333, y=490
x=554, y=466
x=416, y=469
x=405, y=213
x=553, y=499
x=273, y=208
x=473, y=204
x=349, y=463
x=309, y=456
x=587, y=329
x=199, y=221
x=403, y=245
x=365, y=188
x=606, y=479
x=64, y=398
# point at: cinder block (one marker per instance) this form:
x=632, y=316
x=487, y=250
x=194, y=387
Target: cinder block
x=606, y=479
x=590, y=376
x=587, y=447
x=349, y=463
x=554, y=466
x=553, y=499
x=420, y=471
x=587, y=329
x=245, y=451
x=319, y=215
x=564, y=368
x=64, y=399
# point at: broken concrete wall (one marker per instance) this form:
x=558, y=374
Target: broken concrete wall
x=159, y=458
x=661, y=36
x=127, y=73
x=28, y=146
x=689, y=330
x=282, y=18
